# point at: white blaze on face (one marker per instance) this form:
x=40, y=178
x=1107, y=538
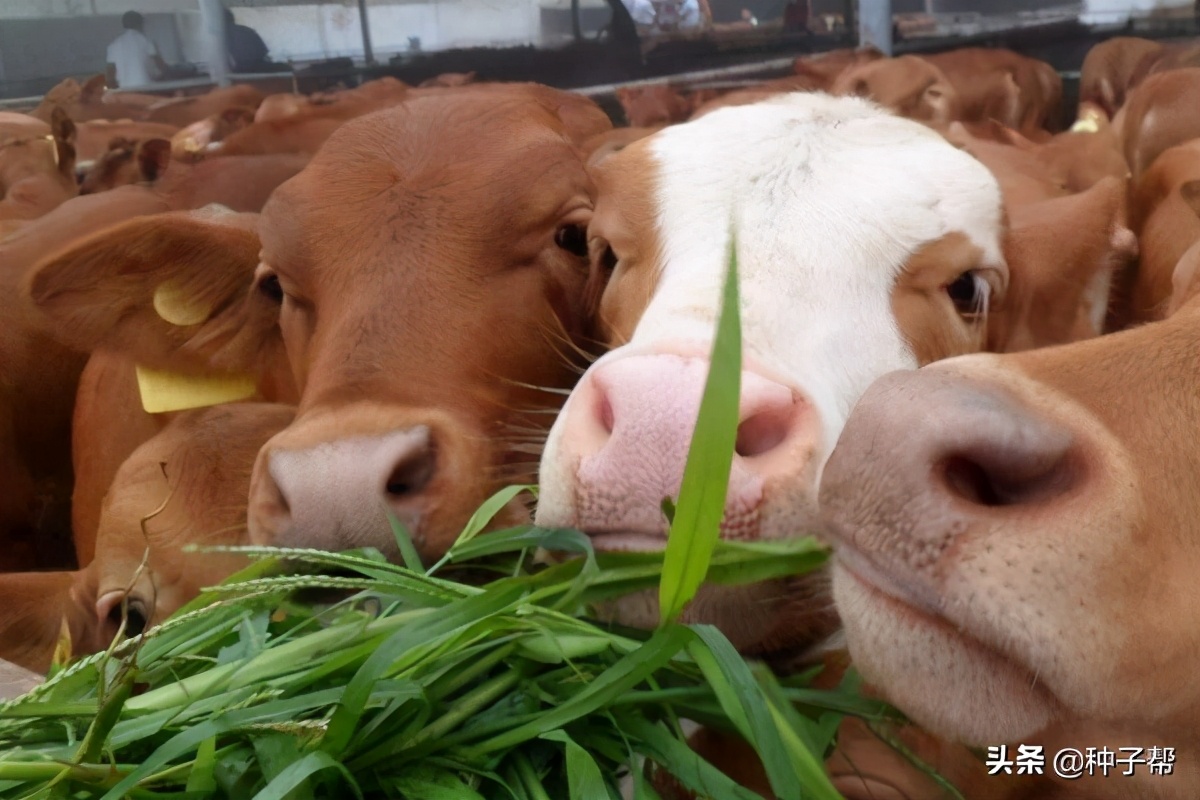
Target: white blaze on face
x=830, y=198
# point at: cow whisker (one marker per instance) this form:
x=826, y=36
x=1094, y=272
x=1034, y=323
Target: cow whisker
x=548, y=389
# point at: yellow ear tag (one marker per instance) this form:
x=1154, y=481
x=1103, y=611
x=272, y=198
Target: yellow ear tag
x=163, y=390
x=1086, y=125
x=176, y=307
x=63, y=648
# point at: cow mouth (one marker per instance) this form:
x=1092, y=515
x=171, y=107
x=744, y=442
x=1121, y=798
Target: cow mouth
x=914, y=603
x=627, y=541
x=868, y=572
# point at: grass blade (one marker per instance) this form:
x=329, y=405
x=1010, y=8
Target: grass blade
x=613, y=682
x=298, y=773
x=584, y=778
x=202, y=779
x=346, y=719
x=404, y=541
x=697, y=520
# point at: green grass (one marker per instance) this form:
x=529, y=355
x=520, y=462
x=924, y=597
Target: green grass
x=696, y=519
x=417, y=686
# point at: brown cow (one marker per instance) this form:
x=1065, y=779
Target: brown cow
x=183, y=111
x=1064, y=254
x=1173, y=55
x=90, y=101
x=126, y=162
x=40, y=376
x=994, y=83
x=192, y=141
x=306, y=128
x=1068, y=237
x=1068, y=162
x=384, y=190
x=1166, y=205
x=1015, y=547
x=1108, y=71
x=184, y=486
x=826, y=67
x=908, y=85
x=1159, y=115
x=37, y=167
x=93, y=137
x=656, y=104
x=242, y=183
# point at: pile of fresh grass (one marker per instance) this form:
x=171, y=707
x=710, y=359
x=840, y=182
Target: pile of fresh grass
x=413, y=685
x=419, y=687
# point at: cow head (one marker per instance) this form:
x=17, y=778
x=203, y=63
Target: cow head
x=186, y=486
x=426, y=276
x=431, y=271
x=1016, y=546
x=909, y=85
x=127, y=162
x=866, y=243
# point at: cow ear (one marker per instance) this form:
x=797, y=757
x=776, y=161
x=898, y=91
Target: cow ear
x=63, y=131
x=171, y=291
x=154, y=156
x=93, y=90
x=581, y=118
x=1067, y=281
x=61, y=125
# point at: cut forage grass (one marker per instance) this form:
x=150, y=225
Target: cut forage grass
x=491, y=691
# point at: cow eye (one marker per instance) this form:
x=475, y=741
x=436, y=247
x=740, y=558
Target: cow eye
x=573, y=239
x=269, y=286
x=969, y=293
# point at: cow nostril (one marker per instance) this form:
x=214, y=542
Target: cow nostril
x=1009, y=476
x=412, y=473
x=762, y=432
x=605, y=413
x=134, y=614
x=970, y=481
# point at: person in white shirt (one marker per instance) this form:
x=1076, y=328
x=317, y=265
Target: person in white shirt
x=133, y=59
x=642, y=11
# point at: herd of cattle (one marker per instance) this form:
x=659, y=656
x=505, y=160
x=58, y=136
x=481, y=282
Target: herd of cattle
x=235, y=319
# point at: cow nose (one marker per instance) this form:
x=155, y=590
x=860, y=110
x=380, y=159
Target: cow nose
x=337, y=494
x=631, y=427
x=930, y=455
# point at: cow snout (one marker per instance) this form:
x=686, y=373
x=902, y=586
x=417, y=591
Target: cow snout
x=628, y=429
x=336, y=494
x=929, y=459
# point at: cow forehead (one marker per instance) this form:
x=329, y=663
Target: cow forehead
x=829, y=197
x=422, y=185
